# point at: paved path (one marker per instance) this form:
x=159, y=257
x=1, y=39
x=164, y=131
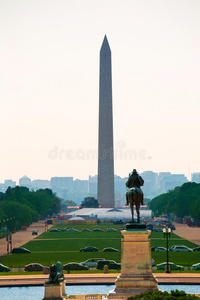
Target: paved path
x=21, y=237
x=190, y=233
x=23, y=280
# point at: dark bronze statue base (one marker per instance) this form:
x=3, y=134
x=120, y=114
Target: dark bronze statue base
x=132, y=225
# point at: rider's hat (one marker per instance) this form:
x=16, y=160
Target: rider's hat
x=134, y=171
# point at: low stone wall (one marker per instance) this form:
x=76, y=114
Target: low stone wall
x=89, y=297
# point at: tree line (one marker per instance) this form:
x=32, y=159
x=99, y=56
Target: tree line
x=20, y=207
x=182, y=201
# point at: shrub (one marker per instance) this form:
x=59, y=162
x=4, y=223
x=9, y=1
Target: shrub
x=159, y=295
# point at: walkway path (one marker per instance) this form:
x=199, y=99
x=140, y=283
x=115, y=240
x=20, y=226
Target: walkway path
x=21, y=237
x=23, y=280
x=190, y=233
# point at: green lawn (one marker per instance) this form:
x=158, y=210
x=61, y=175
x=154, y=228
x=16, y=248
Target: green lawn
x=80, y=234
x=50, y=247
x=158, y=240
x=180, y=258
x=71, y=244
x=20, y=260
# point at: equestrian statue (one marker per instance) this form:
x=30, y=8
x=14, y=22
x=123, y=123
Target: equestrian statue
x=134, y=195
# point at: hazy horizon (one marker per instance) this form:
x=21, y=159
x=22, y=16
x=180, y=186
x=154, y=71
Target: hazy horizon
x=49, y=74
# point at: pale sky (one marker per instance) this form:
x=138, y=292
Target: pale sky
x=49, y=77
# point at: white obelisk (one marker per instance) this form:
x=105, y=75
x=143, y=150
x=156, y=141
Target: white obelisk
x=105, y=151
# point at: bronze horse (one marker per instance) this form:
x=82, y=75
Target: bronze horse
x=134, y=198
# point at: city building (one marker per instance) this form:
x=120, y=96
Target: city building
x=25, y=181
x=9, y=182
x=173, y=180
x=195, y=177
x=61, y=182
x=40, y=184
x=80, y=185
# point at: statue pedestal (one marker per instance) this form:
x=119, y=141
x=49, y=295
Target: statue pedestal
x=55, y=291
x=136, y=267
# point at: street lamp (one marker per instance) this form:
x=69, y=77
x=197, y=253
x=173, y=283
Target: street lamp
x=167, y=232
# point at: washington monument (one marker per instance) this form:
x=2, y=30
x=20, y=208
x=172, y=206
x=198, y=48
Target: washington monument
x=105, y=151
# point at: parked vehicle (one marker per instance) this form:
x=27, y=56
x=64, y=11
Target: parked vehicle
x=110, y=249
x=160, y=249
x=196, y=249
x=89, y=249
x=92, y=262
x=112, y=265
x=20, y=250
x=71, y=229
x=172, y=266
x=196, y=266
x=33, y=267
x=171, y=248
x=4, y=268
x=153, y=248
x=111, y=229
x=55, y=230
x=34, y=232
x=181, y=249
x=74, y=266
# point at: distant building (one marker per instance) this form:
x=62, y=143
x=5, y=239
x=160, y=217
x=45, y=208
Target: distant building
x=76, y=190
x=161, y=177
x=40, y=184
x=150, y=183
x=196, y=177
x=25, y=181
x=173, y=180
x=9, y=182
x=120, y=199
x=80, y=185
x=61, y=182
x=120, y=185
x=93, y=186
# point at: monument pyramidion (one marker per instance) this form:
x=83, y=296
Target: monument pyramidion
x=105, y=147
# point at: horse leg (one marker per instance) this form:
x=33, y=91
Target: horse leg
x=139, y=200
x=132, y=211
x=138, y=213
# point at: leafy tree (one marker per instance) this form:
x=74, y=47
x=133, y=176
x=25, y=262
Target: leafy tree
x=18, y=194
x=3, y=217
x=24, y=189
x=17, y=214
x=20, y=207
x=69, y=203
x=89, y=202
x=10, y=195
x=182, y=201
x=2, y=196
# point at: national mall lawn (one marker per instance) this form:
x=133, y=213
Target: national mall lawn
x=64, y=246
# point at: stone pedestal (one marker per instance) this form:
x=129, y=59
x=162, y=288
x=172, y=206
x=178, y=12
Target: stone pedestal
x=136, y=267
x=55, y=291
